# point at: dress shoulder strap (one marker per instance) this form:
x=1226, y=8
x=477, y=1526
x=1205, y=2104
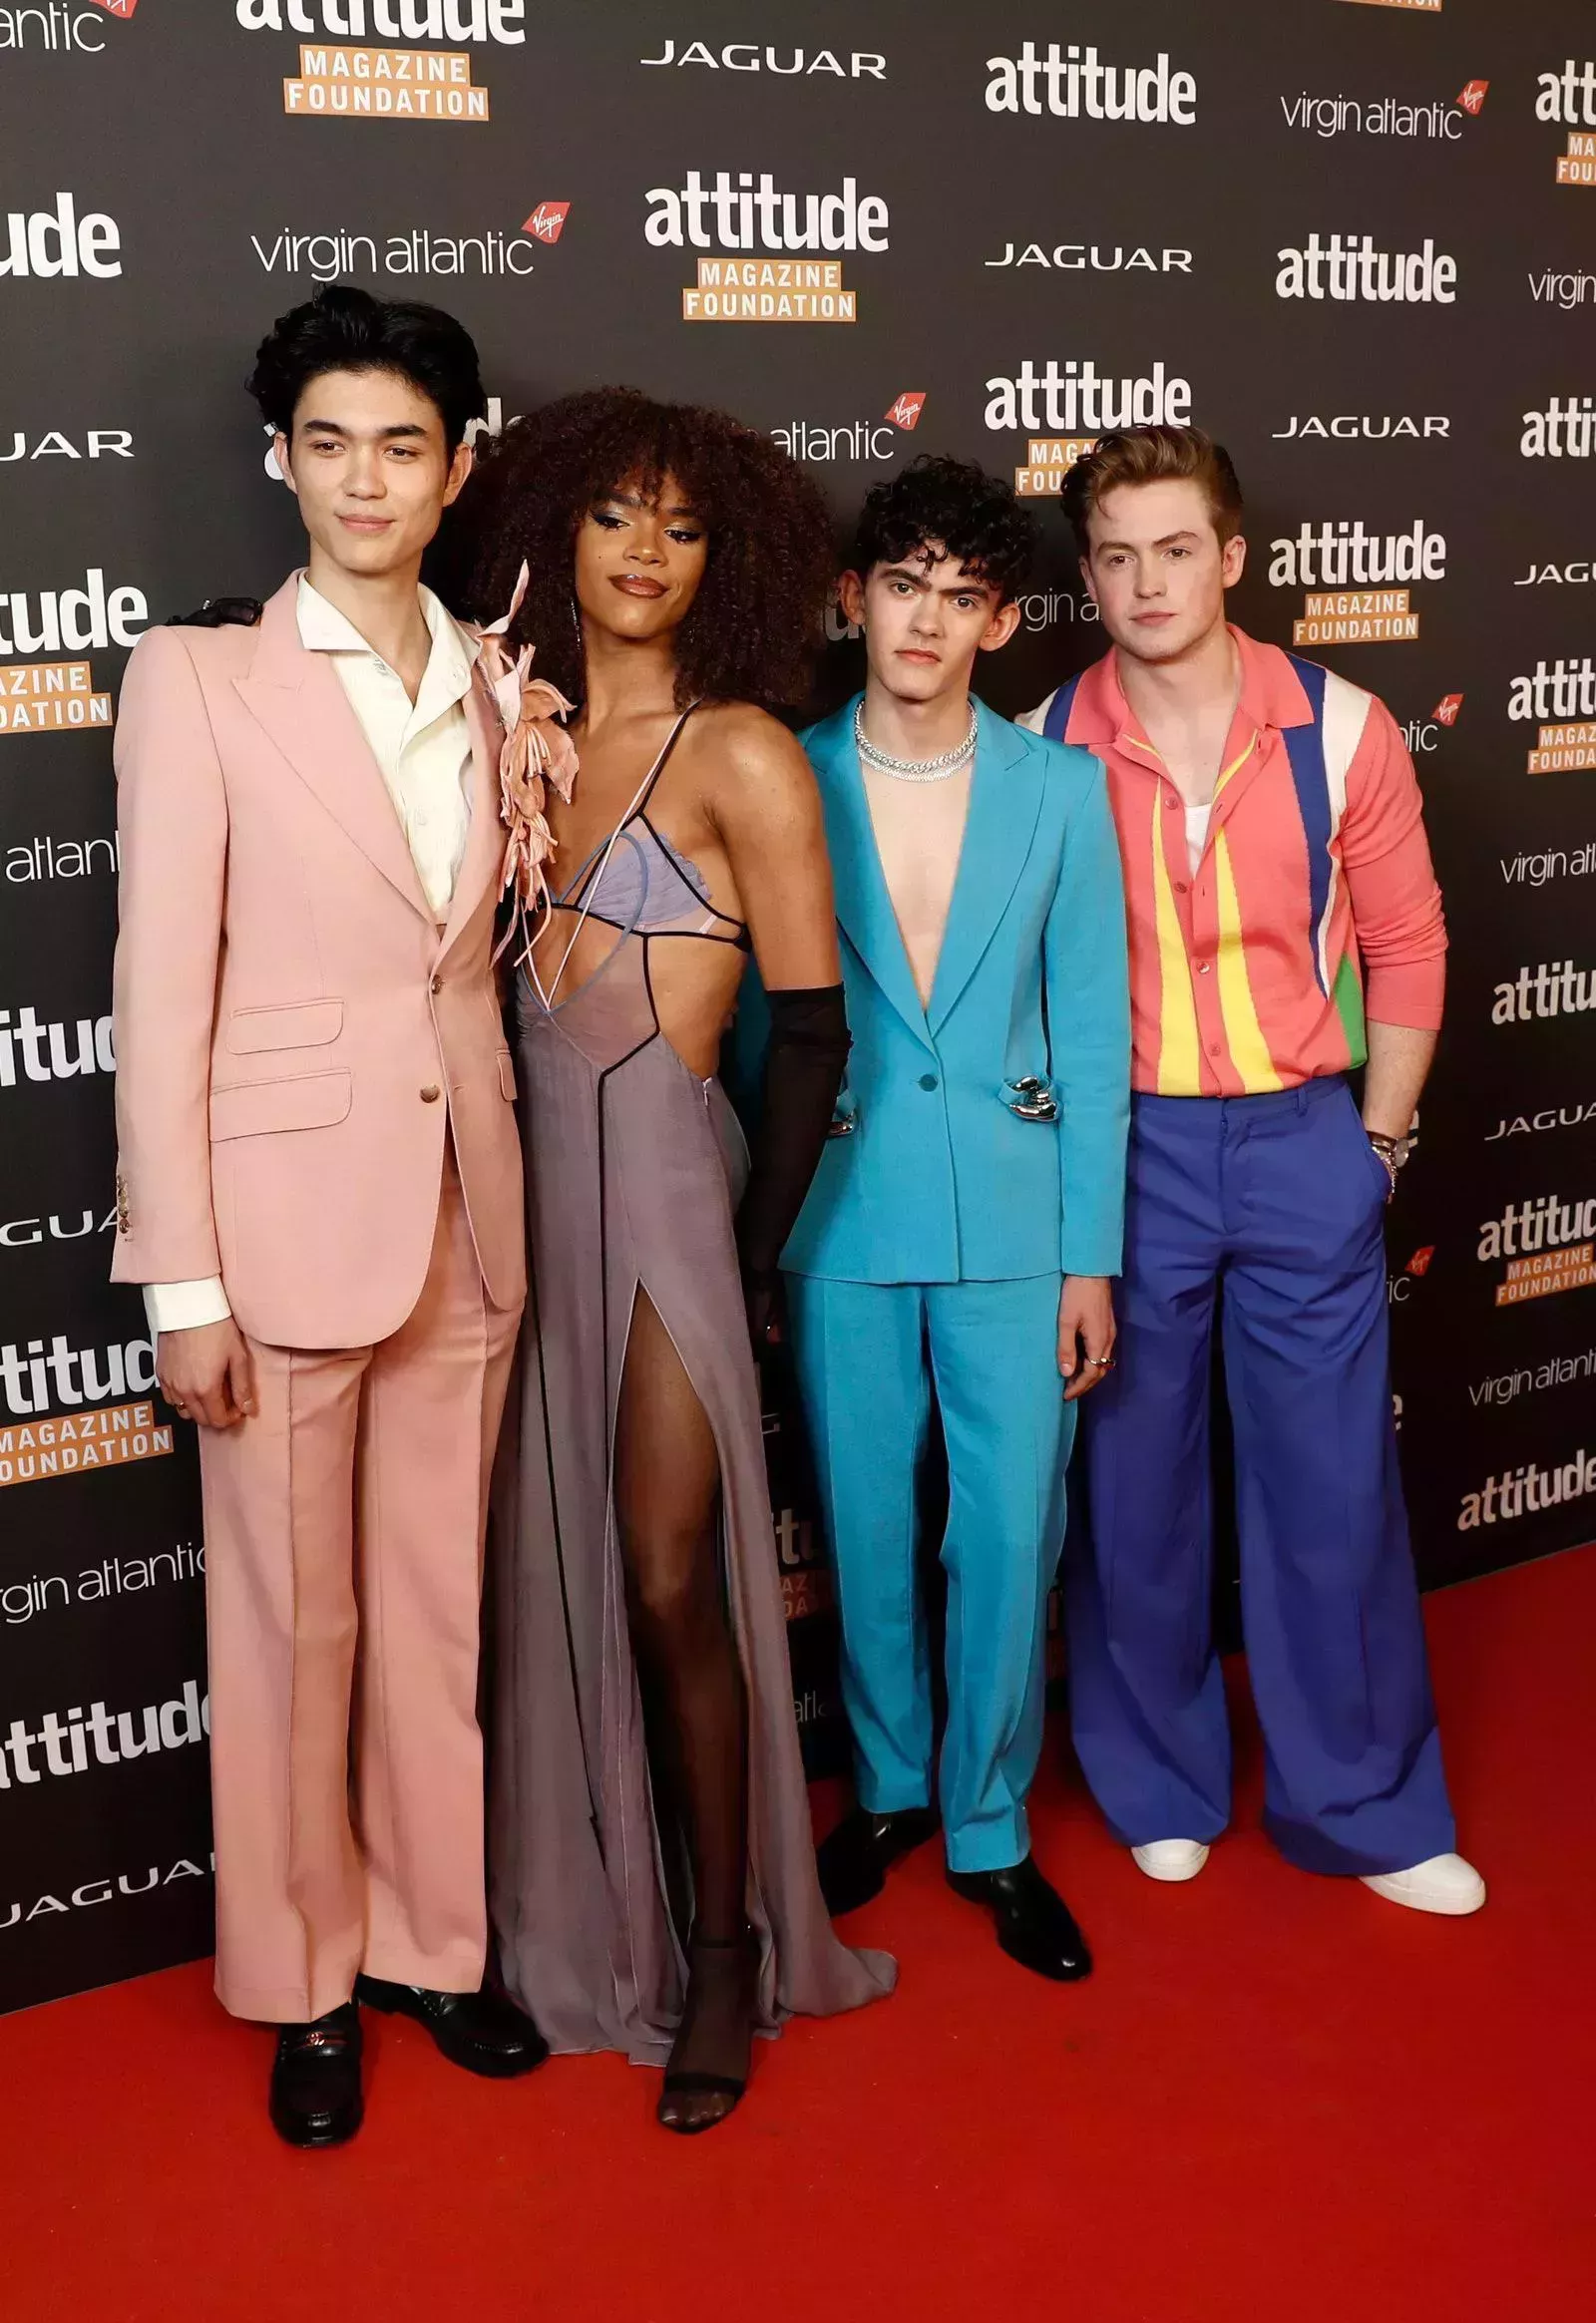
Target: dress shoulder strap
x=639, y=805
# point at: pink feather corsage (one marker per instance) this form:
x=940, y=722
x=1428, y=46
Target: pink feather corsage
x=536, y=751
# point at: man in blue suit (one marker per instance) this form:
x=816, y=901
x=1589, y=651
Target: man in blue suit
x=960, y=1235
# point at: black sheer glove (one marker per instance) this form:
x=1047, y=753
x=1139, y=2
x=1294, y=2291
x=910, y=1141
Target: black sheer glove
x=803, y=1072
x=218, y=612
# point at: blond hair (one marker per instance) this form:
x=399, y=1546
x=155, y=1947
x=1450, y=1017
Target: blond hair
x=1154, y=454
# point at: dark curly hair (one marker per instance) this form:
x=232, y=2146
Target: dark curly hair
x=756, y=620
x=345, y=329
x=975, y=518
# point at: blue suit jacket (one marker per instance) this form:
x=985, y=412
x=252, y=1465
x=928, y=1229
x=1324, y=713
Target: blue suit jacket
x=939, y=1180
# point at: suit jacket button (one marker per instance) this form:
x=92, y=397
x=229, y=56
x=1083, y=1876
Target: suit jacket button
x=928, y=1080
x=431, y=1093
x=437, y=983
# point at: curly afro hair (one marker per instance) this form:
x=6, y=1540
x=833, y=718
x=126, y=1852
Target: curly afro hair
x=975, y=518
x=756, y=620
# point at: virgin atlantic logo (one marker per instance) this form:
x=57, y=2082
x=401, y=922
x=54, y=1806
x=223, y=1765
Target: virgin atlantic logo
x=547, y=221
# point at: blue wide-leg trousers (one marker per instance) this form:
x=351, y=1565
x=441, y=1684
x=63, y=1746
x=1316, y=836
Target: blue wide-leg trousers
x=868, y=1358
x=1267, y=1212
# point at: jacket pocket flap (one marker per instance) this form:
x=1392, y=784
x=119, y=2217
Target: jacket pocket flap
x=299, y=1024
x=507, y=1076
x=299, y=1102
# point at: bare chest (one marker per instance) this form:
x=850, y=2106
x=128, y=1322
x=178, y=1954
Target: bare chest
x=919, y=831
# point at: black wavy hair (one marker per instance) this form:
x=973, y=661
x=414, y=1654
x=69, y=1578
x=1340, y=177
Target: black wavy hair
x=975, y=519
x=345, y=329
x=756, y=622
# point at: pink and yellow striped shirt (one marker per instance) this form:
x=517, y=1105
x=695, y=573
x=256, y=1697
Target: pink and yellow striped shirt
x=1313, y=904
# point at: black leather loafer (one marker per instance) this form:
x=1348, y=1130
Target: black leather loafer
x=1034, y=1924
x=316, y=2080
x=479, y=2031
x=854, y=1858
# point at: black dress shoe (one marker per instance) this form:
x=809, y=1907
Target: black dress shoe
x=480, y=2030
x=854, y=1858
x=1034, y=1924
x=316, y=2080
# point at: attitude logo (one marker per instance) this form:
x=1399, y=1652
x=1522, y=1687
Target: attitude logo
x=737, y=215
x=49, y=696
x=1349, y=267
x=1073, y=84
x=65, y=1743
x=49, y=245
x=1565, y=430
x=388, y=83
x=1568, y=97
x=1555, y=989
x=40, y=1444
x=61, y=29
x=1383, y=116
x=1527, y=1490
x=1081, y=402
x=862, y=439
x=1547, y=1244
x=1563, y=691
x=1343, y=566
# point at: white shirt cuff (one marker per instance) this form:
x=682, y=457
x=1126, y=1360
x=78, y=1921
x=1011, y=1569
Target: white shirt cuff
x=185, y=1305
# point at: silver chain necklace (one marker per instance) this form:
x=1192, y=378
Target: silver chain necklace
x=914, y=769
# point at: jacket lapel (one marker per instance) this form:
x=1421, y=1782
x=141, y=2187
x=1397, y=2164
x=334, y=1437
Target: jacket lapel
x=295, y=697
x=483, y=859
x=1005, y=803
x=864, y=908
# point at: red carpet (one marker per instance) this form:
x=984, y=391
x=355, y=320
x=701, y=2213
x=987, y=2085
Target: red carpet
x=1277, y=2098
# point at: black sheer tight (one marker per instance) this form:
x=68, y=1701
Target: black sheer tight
x=667, y=1484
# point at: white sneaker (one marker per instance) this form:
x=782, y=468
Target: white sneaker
x=1444, y=1883
x=1170, y=1859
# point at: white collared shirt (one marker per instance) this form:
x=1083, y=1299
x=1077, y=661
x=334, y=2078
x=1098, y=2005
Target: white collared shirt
x=422, y=748
x=423, y=751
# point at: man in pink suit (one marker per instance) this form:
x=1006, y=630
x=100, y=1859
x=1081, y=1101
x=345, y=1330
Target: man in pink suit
x=319, y=1188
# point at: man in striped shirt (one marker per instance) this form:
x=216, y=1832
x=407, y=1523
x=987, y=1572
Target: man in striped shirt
x=1284, y=927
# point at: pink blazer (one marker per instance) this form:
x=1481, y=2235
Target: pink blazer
x=293, y=1030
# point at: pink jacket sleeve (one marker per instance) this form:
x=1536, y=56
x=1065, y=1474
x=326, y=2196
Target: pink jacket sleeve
x=1391, y=881
x=172, y=820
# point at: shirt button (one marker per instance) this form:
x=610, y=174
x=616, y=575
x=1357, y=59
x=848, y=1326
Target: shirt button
x=928, y=1080
x=1180, y=887
x=431, y=1093
x=1205, y=967
x=437, y=983
x=1213, y=1048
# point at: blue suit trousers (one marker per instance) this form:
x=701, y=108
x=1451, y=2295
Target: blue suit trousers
x=868, y=1358
x=1268, y=1210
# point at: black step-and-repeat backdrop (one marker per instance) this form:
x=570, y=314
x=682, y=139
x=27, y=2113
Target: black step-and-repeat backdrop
x=1357, y=238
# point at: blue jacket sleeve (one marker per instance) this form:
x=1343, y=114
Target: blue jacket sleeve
x=1088, y=1017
